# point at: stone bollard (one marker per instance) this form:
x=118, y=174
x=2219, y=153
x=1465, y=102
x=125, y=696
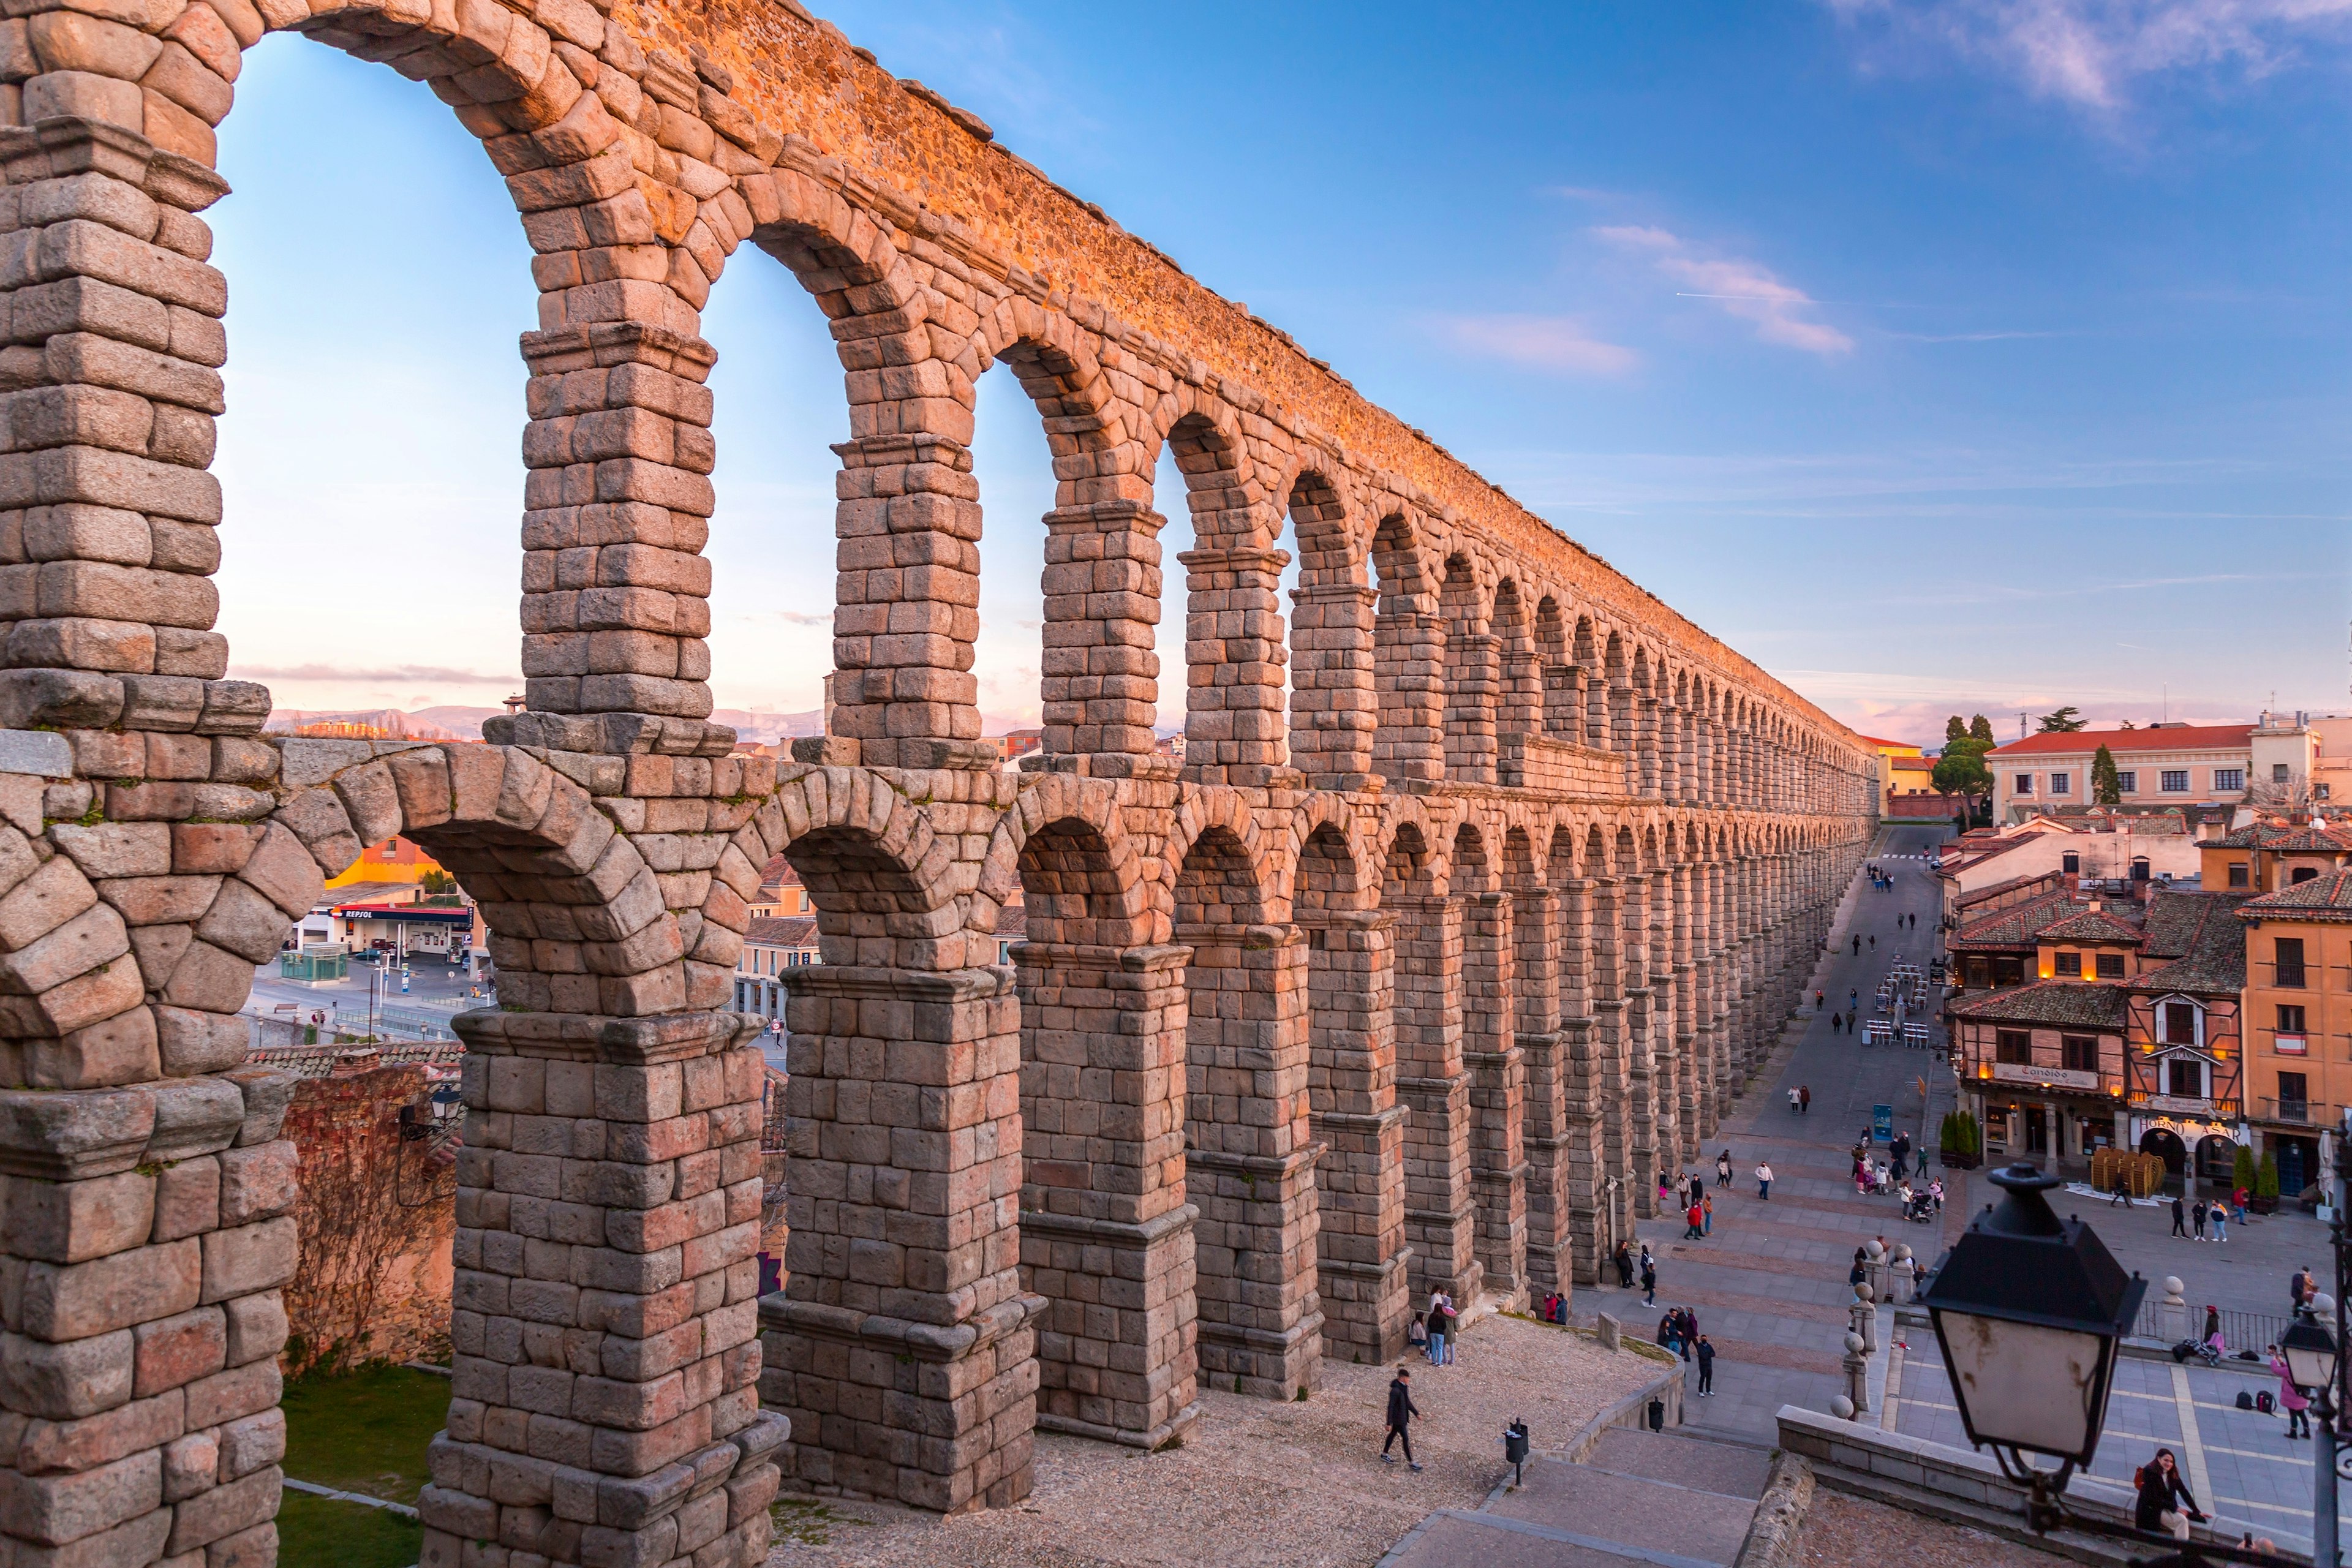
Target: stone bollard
x=1611, y=1332
x=1857, y=1374
x=1865, y=1318
x=2172, y=1312
x=1841, y=1407
x=1874, y=1266
x=1898, y=1275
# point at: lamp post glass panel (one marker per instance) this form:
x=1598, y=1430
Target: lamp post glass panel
x=2029, y=1309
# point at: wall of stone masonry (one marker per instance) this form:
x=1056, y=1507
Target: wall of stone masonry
x=1234, y=1107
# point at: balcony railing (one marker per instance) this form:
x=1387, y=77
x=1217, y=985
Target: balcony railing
x=2301, y=1112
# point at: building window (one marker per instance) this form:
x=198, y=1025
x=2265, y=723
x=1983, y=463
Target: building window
x=2303, y=874
x=2279, y=773
x=2173, y=780
x=2022, y=784
x=1979, y=973
x=2081, y=1052
x=2286, y=955
x=2068, y=966
x=2290, y=1017
x=2238, y=874
x=2111, y=966
x=2319, y=792
x=2226, y=779
x=2179, y=1024
x=2184, y=1079
x=2127, y=781
x=2014, y=1047
x=2008, y=970
x=2293, y=1093
x=2061, y=784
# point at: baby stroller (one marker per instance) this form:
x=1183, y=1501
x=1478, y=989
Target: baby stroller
x=1921, y=1209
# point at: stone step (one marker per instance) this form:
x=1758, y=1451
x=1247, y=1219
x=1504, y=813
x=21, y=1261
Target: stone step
x=1609, y=1507
x=1726, y=1469
x=1451, y=1538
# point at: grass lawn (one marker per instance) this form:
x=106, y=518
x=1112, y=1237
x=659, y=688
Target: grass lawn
x=363, y=1432
x=323, y=1532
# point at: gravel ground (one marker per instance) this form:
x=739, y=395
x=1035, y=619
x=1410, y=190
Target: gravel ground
x=1841, y=1531
x=1256, y=1482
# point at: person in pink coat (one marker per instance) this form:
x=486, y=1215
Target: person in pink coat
x=2290, y=1399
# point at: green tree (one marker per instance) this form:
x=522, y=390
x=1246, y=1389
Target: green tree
x=2106, y=784
x=1981, y=728
x=1955, y=729
x=1961, y=771
x=2062, y=722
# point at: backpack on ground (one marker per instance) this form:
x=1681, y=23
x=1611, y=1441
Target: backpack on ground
x=2264, y=1402
x=2246, y=1401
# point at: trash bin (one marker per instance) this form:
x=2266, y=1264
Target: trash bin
x=1657, y=1415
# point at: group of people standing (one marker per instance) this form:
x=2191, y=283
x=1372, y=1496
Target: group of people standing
x=2190, y=1220
x=1433, y=1331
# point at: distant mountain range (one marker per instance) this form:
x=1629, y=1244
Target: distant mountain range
x=460, y=723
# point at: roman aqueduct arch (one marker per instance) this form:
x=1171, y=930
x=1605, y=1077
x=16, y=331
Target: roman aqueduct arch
x=1418, y=977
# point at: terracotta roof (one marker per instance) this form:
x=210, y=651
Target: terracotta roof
x=1995, y=889
x=2212, y=946
x=2057, y=1003
x=2324, y=897
x=2306, y=840
x=2090, y=925
x=785, y=930
x=2183, y=738
x=1912, y=764
x=779, y=872
x=2018, y=925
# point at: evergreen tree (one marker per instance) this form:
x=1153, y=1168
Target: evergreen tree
x=1955, y=729
x=2106, y=784
x=1981, y=728
x=2062, y=722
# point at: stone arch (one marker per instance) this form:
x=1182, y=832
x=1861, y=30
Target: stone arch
x=1333, y=701
x=1473, y=674
x=1520, y=700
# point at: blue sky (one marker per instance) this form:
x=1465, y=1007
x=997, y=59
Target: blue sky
x=1977, y=356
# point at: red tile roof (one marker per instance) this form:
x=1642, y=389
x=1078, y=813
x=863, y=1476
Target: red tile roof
x=2323, y=898
x=2183, y=738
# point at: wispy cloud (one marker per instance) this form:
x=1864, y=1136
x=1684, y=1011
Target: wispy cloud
x=2088, y=53
x=1747, y=289
x=399, y=673
x=1993, y=337
x=1548, y=342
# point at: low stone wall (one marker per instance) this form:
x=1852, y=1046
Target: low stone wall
x=1632, y=1410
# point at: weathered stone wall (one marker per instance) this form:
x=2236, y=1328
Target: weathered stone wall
x=1420, y=979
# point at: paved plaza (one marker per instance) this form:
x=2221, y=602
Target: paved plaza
x=1769, y=1283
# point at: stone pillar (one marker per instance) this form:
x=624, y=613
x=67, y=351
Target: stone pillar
x=907, y=600
x=1363, y=1266
x=1470, y=683
x=1497, y=1074
x=604, y=1405
x=1612, y=1054
x=1520, y=710
x=1621, y=734
x=1642, y=1152
x=1100, y=685
x=1233, y=658
x=1582, y=1156
x=146, y=1235
x=1667, y=1067
x=1431, y=1082
x=1563, y=711
x=1106, y=1229
x=1408, y=663
x=1250, y=1160
x=615, y=589
x=903, y=1348
x=1334, y=706
x=1690, y=1075
x=1645, y=747
x=1536, y=927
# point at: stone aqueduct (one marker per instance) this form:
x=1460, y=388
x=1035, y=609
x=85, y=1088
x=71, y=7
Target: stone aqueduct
x=1421, y=981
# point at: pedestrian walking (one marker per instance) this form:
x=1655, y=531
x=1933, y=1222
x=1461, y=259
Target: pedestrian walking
x=1764, y=1182
x=1670, y=1333
x=1873, y=942
x=1919, y=1276
x=2197, y=1220
x=2300, y=1287
x=1649, y=1277
x=1817, y=1001
x=1723, y=1169
x=2219, y=1215
x=1936, y=1190
x=1706, y=1367
x=1707, y=1215
x=2160, y=1487
x=2122, y=1198
x=1792, y=1099
x=2181, y=1218
x=1402, y=1410
x=1691, y=1228
x=1853, y=999
x=2290, y=1399
x=1858, y=946
x=1805, y=1100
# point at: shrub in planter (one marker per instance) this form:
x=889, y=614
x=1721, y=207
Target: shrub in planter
x=2242, y=1169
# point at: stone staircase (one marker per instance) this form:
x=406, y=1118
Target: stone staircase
x=1660, y=1499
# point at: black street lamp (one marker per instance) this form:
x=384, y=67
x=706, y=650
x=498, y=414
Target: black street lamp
x=2028, y=1309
